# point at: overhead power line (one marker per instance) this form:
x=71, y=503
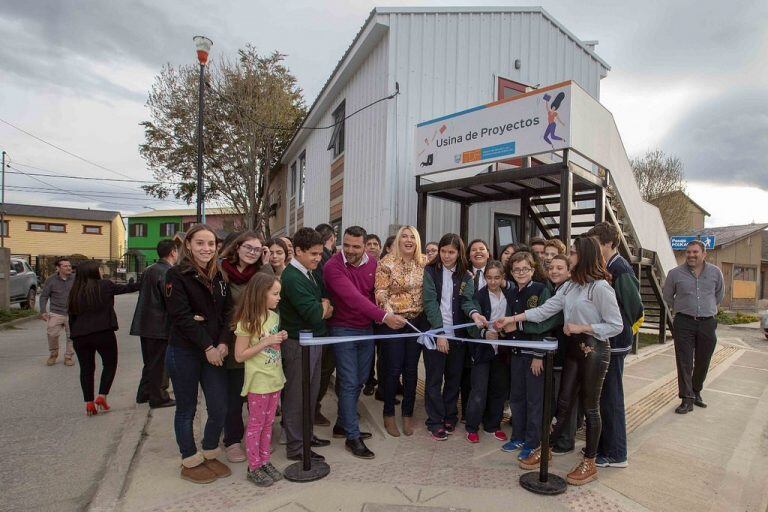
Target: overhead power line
x=56, y=174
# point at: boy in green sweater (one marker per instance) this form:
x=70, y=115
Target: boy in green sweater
x=303, y=306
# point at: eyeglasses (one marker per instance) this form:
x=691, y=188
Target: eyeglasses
x=251, y=249
x=522, y=271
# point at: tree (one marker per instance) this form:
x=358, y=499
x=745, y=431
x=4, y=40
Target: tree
x=252, y=107
x=662, y=183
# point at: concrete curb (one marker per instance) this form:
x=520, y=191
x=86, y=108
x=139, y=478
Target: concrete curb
x=19, y=321
x=112, y=484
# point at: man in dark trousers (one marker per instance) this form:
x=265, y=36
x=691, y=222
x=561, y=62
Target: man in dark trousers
x=328, y=364
x=612, y=448
x=693, y=291
x=150, y=323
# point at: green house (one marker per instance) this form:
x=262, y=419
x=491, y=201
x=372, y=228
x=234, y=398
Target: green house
x=145, y=230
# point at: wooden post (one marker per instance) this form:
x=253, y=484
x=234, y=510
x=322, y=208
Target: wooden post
x=566, y=196
x=600, y=205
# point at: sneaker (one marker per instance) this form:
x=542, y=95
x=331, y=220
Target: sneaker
x=235, y=453
x=513, y=445
x=525, y=452
x=450, y=428
x=272, y=471
x=557, y=450
x=472, y=437
x=440, y=435
x=259, y=477
x=607, y=462
x=498, y=435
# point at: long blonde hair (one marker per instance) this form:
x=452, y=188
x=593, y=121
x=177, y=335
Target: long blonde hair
x=252, y=310
x=418, y=257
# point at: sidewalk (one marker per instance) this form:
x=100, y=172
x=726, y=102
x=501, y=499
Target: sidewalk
x=712, y=459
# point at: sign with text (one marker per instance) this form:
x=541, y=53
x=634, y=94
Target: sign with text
x=530, y=123
x=680, y=243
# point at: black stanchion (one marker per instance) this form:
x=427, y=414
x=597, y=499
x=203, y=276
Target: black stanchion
x=542, y=481
x=307, y=470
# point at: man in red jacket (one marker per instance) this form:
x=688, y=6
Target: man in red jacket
x=349, y=278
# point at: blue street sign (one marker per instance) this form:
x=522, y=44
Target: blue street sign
x=679, y=243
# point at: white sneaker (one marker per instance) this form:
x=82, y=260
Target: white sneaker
x=235, y=453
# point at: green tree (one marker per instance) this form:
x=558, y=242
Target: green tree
x=252, y=107
x=661, y=181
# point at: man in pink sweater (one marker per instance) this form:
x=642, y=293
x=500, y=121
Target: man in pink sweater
x=349, y=281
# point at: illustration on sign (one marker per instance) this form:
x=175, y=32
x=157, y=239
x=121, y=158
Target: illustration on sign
x=488, y=133
x=680, y=243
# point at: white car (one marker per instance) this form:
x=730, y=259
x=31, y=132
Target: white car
x=764, y=325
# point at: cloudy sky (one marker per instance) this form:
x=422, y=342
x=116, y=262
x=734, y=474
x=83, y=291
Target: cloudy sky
x=690, y=77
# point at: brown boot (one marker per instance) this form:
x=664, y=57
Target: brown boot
x=408, y=425
x=218, y=468
x=390, y=426
x=583, y=473
x=52, y=359
x=194, y=470
x=69, y=361
x=534, y=459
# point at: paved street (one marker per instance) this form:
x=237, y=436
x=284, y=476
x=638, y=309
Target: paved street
x=53, y=455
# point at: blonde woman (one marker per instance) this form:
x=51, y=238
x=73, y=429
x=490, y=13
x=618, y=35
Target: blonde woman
x=399, y=287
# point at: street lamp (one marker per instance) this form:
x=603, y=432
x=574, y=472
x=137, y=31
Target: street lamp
x=203, y=46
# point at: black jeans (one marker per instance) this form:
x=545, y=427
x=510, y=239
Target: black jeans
x=613, y=438
x=585, y=366
x=234, y=429
x=327, y=367
x=400, y=357
x=466, y=384
x=695, y=342
x=490, y=389
x=443, y=381
x=567, y=438
x=153, y=373
x=105, y=343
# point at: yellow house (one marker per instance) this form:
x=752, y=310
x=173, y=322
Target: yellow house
x=30, y=231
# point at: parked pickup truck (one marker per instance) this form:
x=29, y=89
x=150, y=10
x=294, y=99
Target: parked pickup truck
x=23, y=284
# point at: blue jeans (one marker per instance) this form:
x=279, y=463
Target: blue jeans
x=187, y=369
x=353, y=363
x=613, y=437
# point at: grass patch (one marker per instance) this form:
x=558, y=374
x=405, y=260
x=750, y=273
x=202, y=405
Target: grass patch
x=726, y=318
x=7, y=315
x=647, y=339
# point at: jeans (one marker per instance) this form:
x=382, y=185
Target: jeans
x=566, y=441
x=443, y=380
x=105, y=343
x=613, y=439
x=353, y=362
x=233, y=424
x=490, y=389
x=526, y=400
x=400, y=357
x=327, y=366
x=188, y=369
x=584, y=370
x=695, y=342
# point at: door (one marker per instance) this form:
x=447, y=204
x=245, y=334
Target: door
x=727, y=269
x=506, y=229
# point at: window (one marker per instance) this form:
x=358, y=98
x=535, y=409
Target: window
x=279, y=198
x=4, y=229
x=17, y=266
x=337, y=137
x=188, y=225
x=744, y=273
x=168, y=228
x=302, y=176
x=509, y=88
x=92, y=230
x=293, y=180
x=139, y=230
x=45, y=226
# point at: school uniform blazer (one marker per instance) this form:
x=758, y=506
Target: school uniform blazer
x=463, y=304
x=481, y=352
x=627, y=288
x=532, y=295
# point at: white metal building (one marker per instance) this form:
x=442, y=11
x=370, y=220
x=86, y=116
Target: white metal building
x=443, y=60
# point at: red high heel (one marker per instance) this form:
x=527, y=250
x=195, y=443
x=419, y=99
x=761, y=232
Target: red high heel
x=101, y=403
x=90, y=409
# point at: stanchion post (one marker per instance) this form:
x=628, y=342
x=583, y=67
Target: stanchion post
x=542, y=482
x=307, y=470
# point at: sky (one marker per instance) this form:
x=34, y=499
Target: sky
x=689, y=77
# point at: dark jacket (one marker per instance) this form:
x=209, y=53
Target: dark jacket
x=101, y=316
x=187, y=296
x=532, y=295
x=482, y=352
x=150, y=320
x=301, y=306
x=463, y=302
x=627, y=288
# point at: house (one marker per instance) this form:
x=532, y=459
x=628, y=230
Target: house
x=30, y=231
x=741, y=252
x=146, y=229
x=681, y=214
x=435, y=62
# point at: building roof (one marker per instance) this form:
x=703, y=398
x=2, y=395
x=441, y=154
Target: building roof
x=183, y=212
x=57, y=212
x=352, y=51
x=727, y=235
x=687, y=198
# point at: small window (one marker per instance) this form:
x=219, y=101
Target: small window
x=302, y=176
x=188, y=225
x=37, y=226
x=17, y=266
x=139, y=230
x=744, y=273
x=293, y=180
x=4, y=229
x=279, y=198
x=337, y=137
x=57, y=228
x=92, y=230
x=168, y=228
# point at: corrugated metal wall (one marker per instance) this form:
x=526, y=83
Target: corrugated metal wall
x=446, y=62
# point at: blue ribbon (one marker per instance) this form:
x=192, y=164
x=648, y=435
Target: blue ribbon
x=428, y=339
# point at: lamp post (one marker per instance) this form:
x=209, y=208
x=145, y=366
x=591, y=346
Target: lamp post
x=203, y=46
x=3, y=233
